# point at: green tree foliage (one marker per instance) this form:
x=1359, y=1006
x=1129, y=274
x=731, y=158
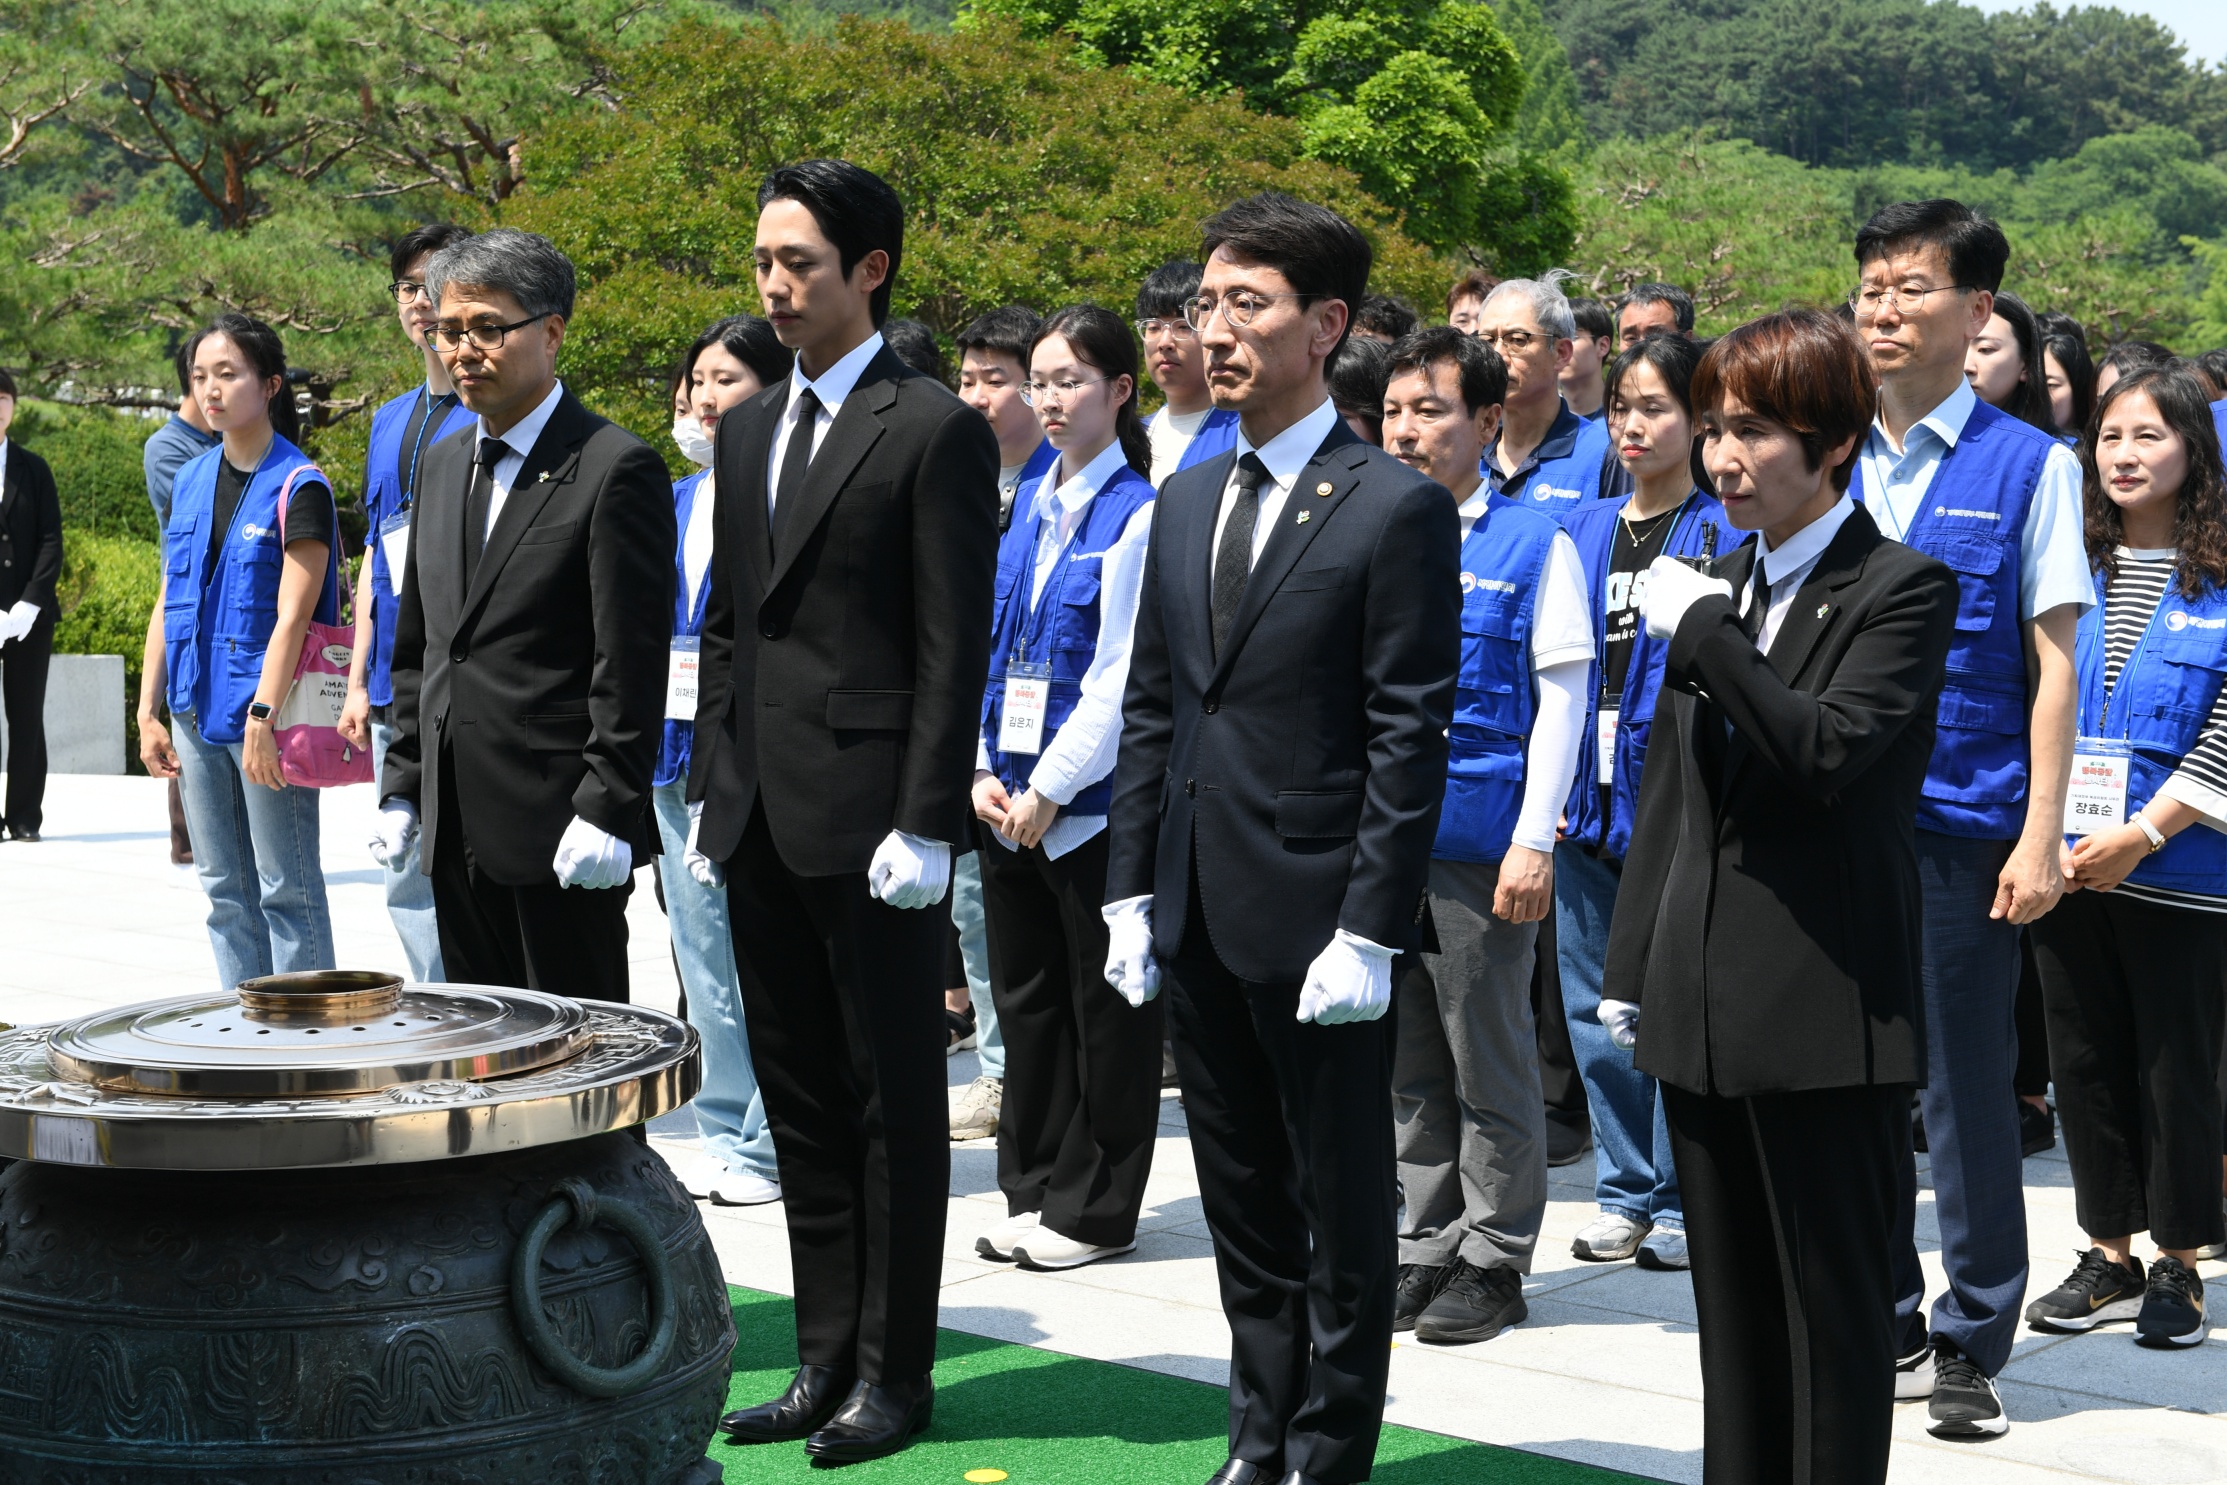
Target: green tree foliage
x=1551, y=120
x=2208, y=319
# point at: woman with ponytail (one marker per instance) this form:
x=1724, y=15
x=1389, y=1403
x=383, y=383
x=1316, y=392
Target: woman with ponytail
x=1082, y=1073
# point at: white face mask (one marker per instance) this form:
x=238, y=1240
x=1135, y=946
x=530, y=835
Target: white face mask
x=695, y=444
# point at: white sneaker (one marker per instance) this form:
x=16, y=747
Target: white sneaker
x=1045, y=1250
x=1609, y=1238
x=708, y=1178
x=998, y=1241
x=974, y=1109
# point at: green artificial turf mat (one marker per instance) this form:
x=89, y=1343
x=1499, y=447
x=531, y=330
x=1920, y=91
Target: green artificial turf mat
x=1048, y=1419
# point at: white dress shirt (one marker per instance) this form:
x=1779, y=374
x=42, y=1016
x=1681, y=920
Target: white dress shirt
x=1285, y=455
x=695, y=541
x=1786, y=568
x=520, y=440
x=833, y=388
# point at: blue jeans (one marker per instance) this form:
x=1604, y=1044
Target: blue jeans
x=974, y=948
x=1632, y=1171
x=1970, y=985
x=255, y=850
x=730, y=1111
x=409, y=890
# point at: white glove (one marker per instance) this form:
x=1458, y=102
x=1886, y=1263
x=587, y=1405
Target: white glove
x=393, y=831
x=1672, y=588
x=1620, y=1019
x=1351, y=980
x=700, y=866
x=591, y=858
x=909, y=871
x=18, y=620
x=1130, y=967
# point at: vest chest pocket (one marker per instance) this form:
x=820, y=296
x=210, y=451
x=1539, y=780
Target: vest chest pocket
x=251, y=589
x=179, y=600
x=1493, y=670
x=1075, y=623
x=1975, y=561
x=2179, y=693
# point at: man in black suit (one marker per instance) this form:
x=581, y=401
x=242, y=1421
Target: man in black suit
x=846, y=643
x=530, y=645
x=1765, y=948
x=1283, y=759
x=30, y=561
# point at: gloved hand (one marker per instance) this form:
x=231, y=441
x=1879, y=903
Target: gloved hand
x=18, y=620
x=592, y=858
x=1620, y=1019
x=700, y=866
x=1672, y=588
x=1351, y=980
x=393, y=831
x=1130, y=966
x=909, y=871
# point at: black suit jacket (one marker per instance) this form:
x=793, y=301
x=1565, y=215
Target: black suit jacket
x=30, y=532
x=1303, y=769
x=543, y=683
x=844, y=653
x=1768, y=918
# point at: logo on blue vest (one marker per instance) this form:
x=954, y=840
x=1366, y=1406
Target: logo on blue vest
x=2177, y=621
x=1470, y=583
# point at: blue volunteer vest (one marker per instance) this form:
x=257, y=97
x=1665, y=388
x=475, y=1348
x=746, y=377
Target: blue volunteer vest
x=1563, y=472
x=1216, y=437
x=217, y=621
x=2164, y=696
x=1593, y=529
x=688, y=618
x=2219, y=422
x=1060, y=630
x=383, y=496
x=1971, y=519
x=1495, y=699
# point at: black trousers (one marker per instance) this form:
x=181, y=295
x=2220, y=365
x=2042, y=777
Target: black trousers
x=2135, y=995
x=23, y=667
x=1082, y=1066
x=2032, y=1077
x=1790, y=1211
x=1558, y=1076
x=563, y=940
x=1291, y=1131
x=843, y=998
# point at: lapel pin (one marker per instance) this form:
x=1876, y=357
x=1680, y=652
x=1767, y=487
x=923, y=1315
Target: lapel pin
x=1323, y=488
x=1824, y=609
x=1303, y=517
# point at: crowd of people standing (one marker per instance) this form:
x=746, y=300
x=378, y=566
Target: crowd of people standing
x=1436, y=749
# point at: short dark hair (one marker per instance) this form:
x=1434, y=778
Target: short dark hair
x=1483, y=375
x=1355, y=380
x=7, y=382
x=181, y=361
x=2130, y=356
x=1475, y=284
x=1167, y=289
x=1680, y=302
x=855, y=209
x=1673, y=357
x=1386, y=316
x=1319, y=253
x=1802, y=369
x=914, y=344
x=420, y=241
x=749, y=340
x=1593, y=319
x=1008, y=330
x=1975, y=247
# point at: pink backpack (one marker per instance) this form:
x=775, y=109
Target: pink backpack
x=311, y=752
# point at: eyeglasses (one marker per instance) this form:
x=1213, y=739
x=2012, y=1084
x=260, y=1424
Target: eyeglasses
x=1907, y=301
x=1516, y=341
x=1240, y=308
x=404, y=291
x=486, y=337
x=1034, y=392
x=1174, y=329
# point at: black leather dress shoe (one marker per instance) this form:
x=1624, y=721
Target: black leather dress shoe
x=1239, y=1472
x=1298, y=1477
x=812, y=1398
x=874, y=1421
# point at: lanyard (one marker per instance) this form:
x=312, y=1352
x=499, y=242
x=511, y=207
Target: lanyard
x=433, y=415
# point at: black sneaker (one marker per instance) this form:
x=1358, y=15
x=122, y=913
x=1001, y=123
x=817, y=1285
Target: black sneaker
x=2037, y=1129
x=2097, y=1292
x=1476, y=1305
x=1418, y=1285
x=1964, y=1404
x=2172, y=1307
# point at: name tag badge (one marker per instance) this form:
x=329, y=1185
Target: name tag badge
x=1028, y=697
x=394, y=545
x=681, y=667
x=1605, y=740
x=2096, y=798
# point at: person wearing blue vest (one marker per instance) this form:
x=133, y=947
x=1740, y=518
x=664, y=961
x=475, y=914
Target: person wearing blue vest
x=237, y=595
x=732, y=361
x=1667, y=513
x=1545, y=455
x=1998, y=502
x=1188, y=429
x=1469, y=1114
x=1082, y=1077
x=401, y=431
x=2134, y=961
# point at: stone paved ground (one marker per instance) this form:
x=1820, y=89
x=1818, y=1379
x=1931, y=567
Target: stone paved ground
x=1605, y=1371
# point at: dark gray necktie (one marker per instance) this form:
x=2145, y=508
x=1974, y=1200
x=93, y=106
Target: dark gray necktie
x=1759, y=599
x=1233, y=558
x=479, y=502
x=795, y=462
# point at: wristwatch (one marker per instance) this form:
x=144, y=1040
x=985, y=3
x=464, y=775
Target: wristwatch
x=2156, y=836
x=259, y=710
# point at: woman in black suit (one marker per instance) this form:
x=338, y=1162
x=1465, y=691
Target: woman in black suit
x=30, y=561
x=1764, y=952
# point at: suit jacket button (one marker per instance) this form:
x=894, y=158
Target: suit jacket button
x=456, y=659
x=1190, y=787
x=770, y=631
x=1212, y=707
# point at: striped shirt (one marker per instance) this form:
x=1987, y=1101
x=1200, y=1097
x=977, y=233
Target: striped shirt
x=2144, y=578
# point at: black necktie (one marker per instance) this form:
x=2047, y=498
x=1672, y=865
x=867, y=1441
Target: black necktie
x=1759, y=599
x=1233, y=558
x=477, y=504
x=795, y=462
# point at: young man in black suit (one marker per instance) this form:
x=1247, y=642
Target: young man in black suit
x=529, y=651
x=1765, y=948
x=1283, y=760
x=30, y=561
x=846, y=643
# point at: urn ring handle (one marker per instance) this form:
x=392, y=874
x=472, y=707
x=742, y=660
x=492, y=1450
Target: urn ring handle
x=578, y=1202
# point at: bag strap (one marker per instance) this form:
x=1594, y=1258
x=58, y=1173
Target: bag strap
x=328, y=599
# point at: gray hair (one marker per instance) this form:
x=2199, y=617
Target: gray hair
x=524, y=265
x=1548, y=305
